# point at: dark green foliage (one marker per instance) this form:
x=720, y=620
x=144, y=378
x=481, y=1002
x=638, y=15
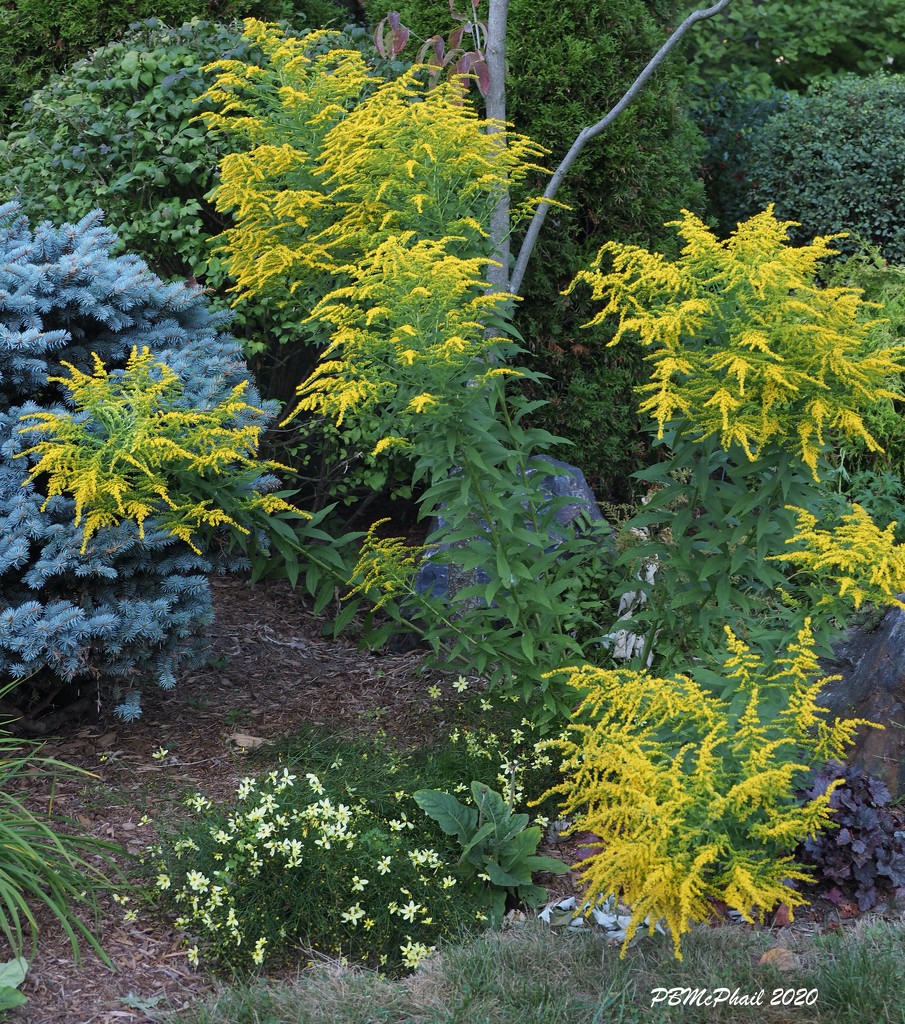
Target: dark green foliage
x=729, y=120
x=38, y=38
x=835, y=161
x=117, y=130
x=877, y=479
x=790, y=43
x=569, y=63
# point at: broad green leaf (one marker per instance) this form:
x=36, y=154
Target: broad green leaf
x=453, y=817
x=13, y=972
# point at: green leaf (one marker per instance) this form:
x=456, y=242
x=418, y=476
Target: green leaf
x=10, y=997
x=552, y=865
x=490, y=804
x=453, y=817
x=487, y=829
x=13, y=972
x=507, y=879
x=345, y=617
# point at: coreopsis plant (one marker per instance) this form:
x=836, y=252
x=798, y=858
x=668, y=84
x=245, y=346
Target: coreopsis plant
x=694, y=798
x=131, y=450
x=757, y=371
x=295, y=860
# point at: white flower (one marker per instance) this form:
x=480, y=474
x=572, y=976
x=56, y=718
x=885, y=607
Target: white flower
x=383, y=865
x=197, y=881
x=358, y=884
x=192, y=955
x=258, y=955
x=353, y=915
x=407, y=913
x=413, y=953
x=461, y=684
x=160, y=753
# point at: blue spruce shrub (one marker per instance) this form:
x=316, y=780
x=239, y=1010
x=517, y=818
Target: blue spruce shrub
x=128, y=610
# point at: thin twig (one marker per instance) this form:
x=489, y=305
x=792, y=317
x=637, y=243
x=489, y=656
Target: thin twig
x=586, y=134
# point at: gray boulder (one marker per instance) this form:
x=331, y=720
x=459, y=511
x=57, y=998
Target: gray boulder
x=440, y=579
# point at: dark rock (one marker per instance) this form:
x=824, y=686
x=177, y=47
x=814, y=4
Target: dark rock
x=872, y=686
x=438, y=579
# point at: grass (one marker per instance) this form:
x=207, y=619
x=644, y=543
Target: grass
x=531, y=976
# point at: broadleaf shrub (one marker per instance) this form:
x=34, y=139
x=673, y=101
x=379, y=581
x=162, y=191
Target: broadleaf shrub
x=766, y=44
x=118, y=130
x=38, y=39
x=127, y=609
x=834, y=161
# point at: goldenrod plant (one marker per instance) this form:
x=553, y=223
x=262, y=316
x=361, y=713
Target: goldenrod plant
x=861, y=561
x=695, y=799
x=385, y=190
x=743, y=341
x=757, y=372
x=341, y=160
x=131, y=450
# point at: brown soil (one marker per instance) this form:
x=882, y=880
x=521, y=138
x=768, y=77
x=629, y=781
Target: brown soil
x=274, y=671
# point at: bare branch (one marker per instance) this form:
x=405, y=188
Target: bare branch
x=498, y=276
x=586, y=134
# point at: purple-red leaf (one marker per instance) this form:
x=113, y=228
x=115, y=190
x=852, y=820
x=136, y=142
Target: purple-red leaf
x=436, y=44
x=483, y=72
x=378, y=38
x=398, y=36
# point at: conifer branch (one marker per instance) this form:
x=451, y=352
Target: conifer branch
x=592, y=131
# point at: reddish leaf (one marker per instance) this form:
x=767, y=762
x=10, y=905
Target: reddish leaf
x=436, y=44
x=455, y=37
x=398, y=37
x=483, y=72
x=378, y=38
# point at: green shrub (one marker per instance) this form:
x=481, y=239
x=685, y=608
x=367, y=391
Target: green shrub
x=569, y=64
x=116, y=130
x=834, y=160
x=789, y=43
x=38, y=39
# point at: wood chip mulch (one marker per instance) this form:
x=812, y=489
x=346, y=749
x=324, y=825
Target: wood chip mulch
x=271, y=671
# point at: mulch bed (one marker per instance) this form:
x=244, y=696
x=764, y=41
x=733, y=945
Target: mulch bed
x=272, y=671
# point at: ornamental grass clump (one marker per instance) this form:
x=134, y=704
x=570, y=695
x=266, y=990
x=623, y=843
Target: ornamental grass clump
x=293, y=862
x=694, y=798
